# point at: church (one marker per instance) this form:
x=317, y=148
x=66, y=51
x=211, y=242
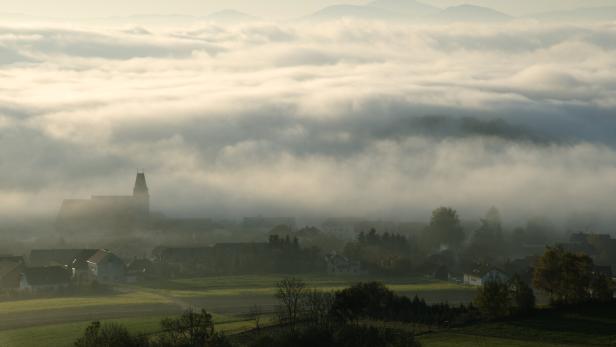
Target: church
x=106, y=213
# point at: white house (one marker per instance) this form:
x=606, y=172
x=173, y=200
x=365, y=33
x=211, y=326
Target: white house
x=479, y=278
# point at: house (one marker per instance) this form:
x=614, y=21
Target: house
x=49, y=278
x=479, y=278
x=105, y=267
x=337, y=264
x=10, y=273
x=80, y=269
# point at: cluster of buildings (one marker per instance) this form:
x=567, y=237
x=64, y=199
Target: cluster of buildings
x=600, y=247
x=56, y=269
x=59, y=268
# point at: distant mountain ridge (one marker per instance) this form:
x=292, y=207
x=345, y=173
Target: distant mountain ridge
x=579, y=14
x=230, y=15
x=336, y=12
x=471, y=13
x=410, y=7
x=405, y=10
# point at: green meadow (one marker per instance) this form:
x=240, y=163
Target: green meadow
x=61, y=335
x=58, y=321
x=130, y=298
x=265, y=285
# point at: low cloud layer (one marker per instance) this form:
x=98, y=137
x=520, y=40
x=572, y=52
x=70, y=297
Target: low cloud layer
x=344, y=118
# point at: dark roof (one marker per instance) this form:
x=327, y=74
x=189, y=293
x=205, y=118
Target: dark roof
x=81, y=260
x=140, y=264
x=12, y=258
x=45, y=257
x=103, y=254
x=50, y=275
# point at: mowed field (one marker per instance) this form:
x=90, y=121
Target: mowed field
x=59, y=321
x=235, y=294
x=59, y=335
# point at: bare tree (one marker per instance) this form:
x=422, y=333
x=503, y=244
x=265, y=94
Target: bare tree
x=290, y=292
x=256, y=313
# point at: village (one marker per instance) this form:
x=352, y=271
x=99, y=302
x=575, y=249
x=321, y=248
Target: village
x=338, y=248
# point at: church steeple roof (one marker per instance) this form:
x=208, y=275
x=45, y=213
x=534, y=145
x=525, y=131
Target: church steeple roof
x=141, y=187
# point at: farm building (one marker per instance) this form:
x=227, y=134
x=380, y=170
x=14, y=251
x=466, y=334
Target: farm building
x=105, y=266
x=50, y=278
x=140, y=269
x=56, y=257
x=479, y=278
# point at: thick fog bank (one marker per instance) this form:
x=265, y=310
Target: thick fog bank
x=347, y=118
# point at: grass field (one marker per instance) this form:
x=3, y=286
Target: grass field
x=265, y=285
x=457, y=340
x=230, y=296
x=132, y=298
x=62, y=335
x=58, y=321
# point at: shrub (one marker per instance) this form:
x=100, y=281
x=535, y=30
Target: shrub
x=109, y=335
x=493, y=300
x=522, y=297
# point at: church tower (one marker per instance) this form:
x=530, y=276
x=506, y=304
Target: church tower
x=141, y=195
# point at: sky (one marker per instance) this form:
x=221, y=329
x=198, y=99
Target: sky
x=349, y=117
x=276, y=9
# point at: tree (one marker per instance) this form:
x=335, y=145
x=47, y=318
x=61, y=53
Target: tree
x=363, y=300
x=291, y=293
x=256, y=312
x=445, y=229
x=602, y=288
x=493, y=300
x=522, y=296
x=488, y=239
x=189, y=330
x=318, y=307
x=565, y=276
x=109, y=335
